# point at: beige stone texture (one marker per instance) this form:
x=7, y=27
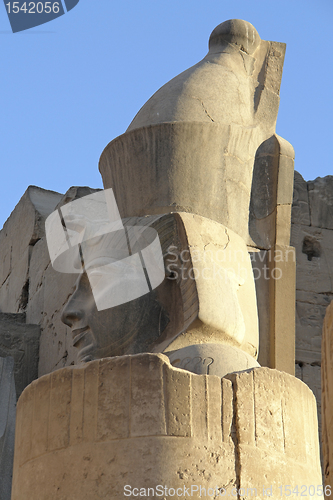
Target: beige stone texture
x=56, y=346
x=49, y=293
x=20, y=233
x=277, y=428
x=312, y=237
x=310, y=313
x=211, y=359
x=201, y=141
x=135, y=420
x=310, y=374
x=7, y=425
x=224, y=282
x=28, y=283
x=186, y=171
x=314, y=255
x=260, y=265
x=327, y=397
x=20, y=341
x=14, y=291
x=274, y=275
x=206, y=94
x=320, y=199
x=272, y=193
x=300, y=209
x=282, y=266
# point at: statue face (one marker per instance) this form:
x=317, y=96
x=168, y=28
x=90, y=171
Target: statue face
x=204, y=286
x=125, y=329
x=145, y=324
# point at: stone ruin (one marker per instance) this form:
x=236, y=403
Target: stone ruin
x=200, y=164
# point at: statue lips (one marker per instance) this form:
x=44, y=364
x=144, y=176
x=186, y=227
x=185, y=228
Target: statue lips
x=78, y=334
x=83, y=340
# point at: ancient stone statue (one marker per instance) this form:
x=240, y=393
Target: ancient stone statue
x=202, y=166
x=207, y=294
x=205, y=144
x=166, y=300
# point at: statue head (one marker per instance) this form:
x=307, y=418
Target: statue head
x=146, y=323
x=204, y=295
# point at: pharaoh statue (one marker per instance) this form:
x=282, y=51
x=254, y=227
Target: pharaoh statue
x=202, y=166
x=167, y=316
x=206, y=298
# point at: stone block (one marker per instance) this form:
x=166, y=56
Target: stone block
x=21, y=231
x=39, y=262
x=327, y=397
x=321, y=202
x=285, y=182
x=5, y=259
x=300, y=208
x=282, y=224
x=172, y=176
x=148, y=408
x=276, y=422
x=310, y=313
x=282, y=269
x=25, y=226
x=211, y=359
x=311, y=376
x=56, y=343
x=223, y=269
x=21, y=342
x=271, y=193
x=260, y=266
x=7, y=425
x=35, y=307
x=14, y=292
x=115, y=398
x=314, y=257
x=136, y=420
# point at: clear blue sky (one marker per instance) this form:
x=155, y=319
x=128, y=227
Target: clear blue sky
x=70, y=86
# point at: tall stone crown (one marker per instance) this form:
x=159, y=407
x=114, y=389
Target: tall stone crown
x=195, y=146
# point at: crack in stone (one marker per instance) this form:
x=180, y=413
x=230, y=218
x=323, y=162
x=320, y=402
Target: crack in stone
x=227, y=235
x=205, y=110
x=234, y=434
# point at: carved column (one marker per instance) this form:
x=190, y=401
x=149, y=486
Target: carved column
x=136, y=421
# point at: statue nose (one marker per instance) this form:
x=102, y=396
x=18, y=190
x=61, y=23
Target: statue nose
x=71, y=314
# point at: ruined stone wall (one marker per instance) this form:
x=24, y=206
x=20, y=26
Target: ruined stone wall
x=312, y=236
x=29, y=284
